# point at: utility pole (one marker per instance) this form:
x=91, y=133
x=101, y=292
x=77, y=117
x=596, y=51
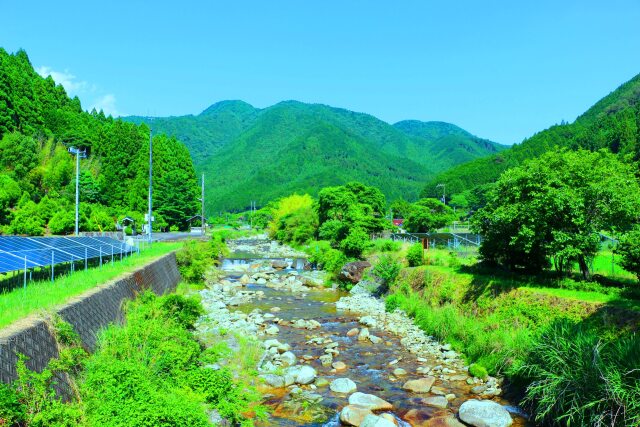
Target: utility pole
x=78, y=153
x=149, y=219
x=202, y=206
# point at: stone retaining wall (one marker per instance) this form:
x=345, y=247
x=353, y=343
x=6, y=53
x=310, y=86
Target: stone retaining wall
x=87, y=313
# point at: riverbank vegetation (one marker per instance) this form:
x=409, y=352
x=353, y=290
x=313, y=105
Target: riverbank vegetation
x=153, y=370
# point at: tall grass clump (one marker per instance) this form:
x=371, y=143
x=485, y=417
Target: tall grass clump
x=495, y=347
x=577, y=378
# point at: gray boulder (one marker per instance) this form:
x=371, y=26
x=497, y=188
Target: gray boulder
x=343, y=385
x=484, y=413
x=352, y=271
x=369, y=401
x=376, y=421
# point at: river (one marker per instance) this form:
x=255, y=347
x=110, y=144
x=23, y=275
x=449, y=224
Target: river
x=341, y=336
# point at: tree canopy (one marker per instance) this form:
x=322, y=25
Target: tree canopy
x=555, y=207
x=38, y=122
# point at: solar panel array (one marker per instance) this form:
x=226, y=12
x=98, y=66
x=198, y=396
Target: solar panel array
x=18, y=253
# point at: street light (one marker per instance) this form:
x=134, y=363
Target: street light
x=444, y=200
x=78, y=153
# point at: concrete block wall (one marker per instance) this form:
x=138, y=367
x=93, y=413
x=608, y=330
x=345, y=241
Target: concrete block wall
x=87, y=313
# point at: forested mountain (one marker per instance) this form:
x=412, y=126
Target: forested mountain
x=259, y=154
x=38, y=122
x=613, y=123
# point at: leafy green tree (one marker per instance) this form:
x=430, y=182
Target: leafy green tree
x=63, y=222
x=26, y=220
x=629, y=249
x=9, y=195
x=428, y=215
x=350, y=211
x=556, y=206
x=400, y=208
x=18, y=154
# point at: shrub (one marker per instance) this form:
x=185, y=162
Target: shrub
x=415, y=255
x=195, y=257
x=387, y=269
x=326, y=257
x=629, y=250
x=478, y=371
x=185, y=311
x=356, y=242
x=12, y=410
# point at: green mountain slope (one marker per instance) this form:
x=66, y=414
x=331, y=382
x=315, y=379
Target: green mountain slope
x=259, y=154
x=449, y=143
x=613, y=123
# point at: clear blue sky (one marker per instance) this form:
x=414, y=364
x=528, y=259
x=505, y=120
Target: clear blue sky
x=500, y=69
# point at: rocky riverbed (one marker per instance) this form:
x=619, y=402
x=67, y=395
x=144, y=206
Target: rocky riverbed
x=331, y=358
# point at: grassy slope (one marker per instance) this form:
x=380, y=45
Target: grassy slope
x=44, y=295
x=493, y=316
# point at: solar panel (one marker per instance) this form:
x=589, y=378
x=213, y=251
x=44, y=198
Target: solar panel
x=18, y=253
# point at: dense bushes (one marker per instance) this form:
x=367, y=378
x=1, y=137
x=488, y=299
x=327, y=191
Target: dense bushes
x=150, y=372
x=196, y=256
x=326, y=257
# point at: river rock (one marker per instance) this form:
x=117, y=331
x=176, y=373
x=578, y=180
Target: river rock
x=369, y=401
x=300, y=375
x=352, y=272
x=321, y=382
x=339, y=366
x=353, y=332
x=275, y=381
x=245, y=279
x=354, y=415
x=363, y=335
x=272, y=330
x=435, y=401
x=288, y=358
x=420, y=418
x=368, y=321
x=422, y=385
x=399, y=372
x=484, y=413
x=326, y=359
x=376, y=421
x=279, y=264
x=374, y=339
x=343, y=385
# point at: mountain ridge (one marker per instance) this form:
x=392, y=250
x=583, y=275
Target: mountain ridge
x=230, y=131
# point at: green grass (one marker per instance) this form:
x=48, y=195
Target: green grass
x=43, y=295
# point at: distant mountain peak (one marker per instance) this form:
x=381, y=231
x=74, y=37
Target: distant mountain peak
x=229, y=105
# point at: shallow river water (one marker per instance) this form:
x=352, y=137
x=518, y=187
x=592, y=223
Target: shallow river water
x=369, y=365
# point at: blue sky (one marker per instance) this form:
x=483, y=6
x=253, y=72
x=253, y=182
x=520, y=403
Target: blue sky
x=500, y=69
